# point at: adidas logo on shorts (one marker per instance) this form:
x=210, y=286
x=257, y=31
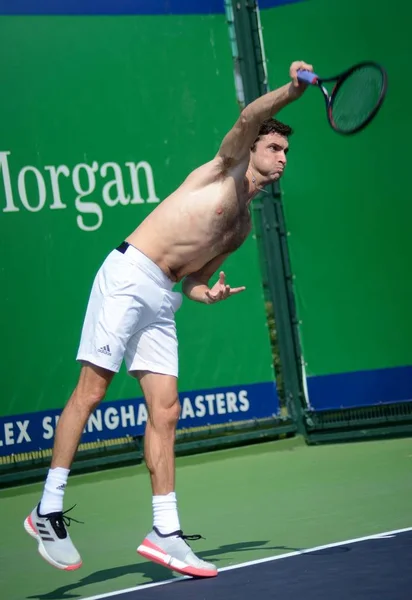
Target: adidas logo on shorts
x=105, y=350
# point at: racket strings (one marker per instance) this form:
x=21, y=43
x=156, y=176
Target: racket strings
x=356, y=98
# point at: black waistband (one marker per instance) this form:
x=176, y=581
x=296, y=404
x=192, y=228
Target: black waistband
x=123, y=247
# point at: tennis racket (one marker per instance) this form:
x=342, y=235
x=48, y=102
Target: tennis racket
x=356, y=97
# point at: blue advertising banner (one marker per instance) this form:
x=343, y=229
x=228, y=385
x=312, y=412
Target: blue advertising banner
x=121, y=7
x=111, y=420
x=360, y=388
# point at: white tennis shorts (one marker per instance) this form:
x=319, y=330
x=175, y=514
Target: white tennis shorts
x=131, y=315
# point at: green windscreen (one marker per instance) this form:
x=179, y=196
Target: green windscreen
x=347, y=200
x=101, y=119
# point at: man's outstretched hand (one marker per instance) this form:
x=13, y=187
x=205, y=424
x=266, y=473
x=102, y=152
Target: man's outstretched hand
x=221, y=291
x=298, y=87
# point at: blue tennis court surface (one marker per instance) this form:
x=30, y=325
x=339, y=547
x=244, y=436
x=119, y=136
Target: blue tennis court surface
x=374, y=568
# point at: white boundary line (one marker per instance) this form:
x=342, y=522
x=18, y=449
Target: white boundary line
x=145, y=586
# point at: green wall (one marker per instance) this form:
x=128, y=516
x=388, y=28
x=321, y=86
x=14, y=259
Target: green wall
x=347, y=201
x=79, y=93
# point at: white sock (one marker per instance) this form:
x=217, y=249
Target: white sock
x=165, y=516
x=52, y=499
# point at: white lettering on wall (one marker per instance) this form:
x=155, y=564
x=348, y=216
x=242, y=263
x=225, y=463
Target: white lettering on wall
x=134, y=175
x=54, y=178
x=4, y=170
x=89, y=187
x=117, y=183
x=21, y=182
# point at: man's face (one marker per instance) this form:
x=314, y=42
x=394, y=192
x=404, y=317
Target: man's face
x=269, y=156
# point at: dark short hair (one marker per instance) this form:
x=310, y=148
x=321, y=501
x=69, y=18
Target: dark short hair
x=272, y=125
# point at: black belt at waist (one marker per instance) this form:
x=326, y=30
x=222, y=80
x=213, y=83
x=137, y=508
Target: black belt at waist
x=123, y=247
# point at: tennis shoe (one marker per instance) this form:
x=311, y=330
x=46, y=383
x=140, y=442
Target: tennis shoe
x=173, y=552
x=54, y=543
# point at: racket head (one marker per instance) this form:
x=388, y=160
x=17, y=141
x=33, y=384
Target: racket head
x=357, y=97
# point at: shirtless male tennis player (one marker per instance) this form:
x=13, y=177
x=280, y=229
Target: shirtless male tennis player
x=130, y=316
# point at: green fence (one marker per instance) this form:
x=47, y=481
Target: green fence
x=102, y=117
x=347, y=212
x=92, y=138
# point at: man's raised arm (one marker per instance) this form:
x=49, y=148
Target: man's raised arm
x=236, y=144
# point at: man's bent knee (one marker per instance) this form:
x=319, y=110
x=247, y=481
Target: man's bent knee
x=92, y=386
x=164, y=415
x=162, y=399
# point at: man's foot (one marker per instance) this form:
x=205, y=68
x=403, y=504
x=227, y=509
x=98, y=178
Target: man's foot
x=55, y=544
x=172, y=552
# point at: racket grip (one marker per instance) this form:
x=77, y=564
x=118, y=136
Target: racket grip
x=307, y=76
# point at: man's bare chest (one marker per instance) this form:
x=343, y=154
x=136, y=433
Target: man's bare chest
x=233, y=228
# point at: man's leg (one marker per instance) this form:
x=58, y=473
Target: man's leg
x=90, y=390
x=165, y=544
x=46, y=522
x=160, y=392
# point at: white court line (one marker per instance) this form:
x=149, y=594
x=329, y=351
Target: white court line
x=145, y=586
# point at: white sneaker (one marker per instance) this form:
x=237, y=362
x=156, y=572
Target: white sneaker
x=55, y=544
x=172, y=552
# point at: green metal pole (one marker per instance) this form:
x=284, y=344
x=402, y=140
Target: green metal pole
x=251, y=66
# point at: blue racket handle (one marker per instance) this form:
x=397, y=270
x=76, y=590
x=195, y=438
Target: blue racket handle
x=307, y=76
